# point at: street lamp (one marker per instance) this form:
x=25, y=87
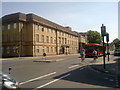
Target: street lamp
x=103, y=33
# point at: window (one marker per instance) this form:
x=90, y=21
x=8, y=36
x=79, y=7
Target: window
x=37, y=49
x=14, y=37
x=37, y=37
x=47, y=49
x=8, y=37
x=51, y=40
x=2, y=27
x=51, y=49
x=47, y=39
x=62, y=40
x=8, y=26
x=37, y=27
x=42, y=38
x=54, y=40
x=51, y=31
x=59, y=40
x=65, y=41
x=42, y=28
x=2, y=49
x=62, y=33
x=15, y=26
x=14, y=49
x=43, y=50
x=47, y=30
x=8, y=50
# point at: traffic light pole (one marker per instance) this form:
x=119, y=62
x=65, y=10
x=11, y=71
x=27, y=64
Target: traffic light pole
x=103, y=52
x=103, y=33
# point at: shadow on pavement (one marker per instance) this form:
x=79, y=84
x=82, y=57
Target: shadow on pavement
x=86, y=76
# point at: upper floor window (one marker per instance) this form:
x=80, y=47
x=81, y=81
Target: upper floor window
x=37, y=37
x=62, y=40
x=51, y=40
x=3, y=27
x=8, y=26
x=47, y=39
x=47, y=30
x=37, y=27
x=42, y=38
x=15, y=25
x=62, y=33
x=42, y=28
x=54, y=40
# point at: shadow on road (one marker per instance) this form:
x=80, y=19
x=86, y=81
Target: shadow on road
x=86, y=75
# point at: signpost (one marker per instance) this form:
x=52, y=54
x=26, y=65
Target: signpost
x=103, y=33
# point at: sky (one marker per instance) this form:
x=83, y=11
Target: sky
x=80, y=16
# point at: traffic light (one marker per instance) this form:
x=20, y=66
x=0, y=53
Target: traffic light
x=107, y=37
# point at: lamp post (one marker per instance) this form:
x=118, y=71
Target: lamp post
x=103, y=33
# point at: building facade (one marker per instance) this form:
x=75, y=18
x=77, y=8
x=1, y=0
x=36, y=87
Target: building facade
x=32, y=35
x=82, y=39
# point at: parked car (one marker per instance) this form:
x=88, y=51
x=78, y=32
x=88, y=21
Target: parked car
x=117, y=52
x=7, y=82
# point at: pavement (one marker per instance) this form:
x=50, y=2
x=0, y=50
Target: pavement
x=112, y=67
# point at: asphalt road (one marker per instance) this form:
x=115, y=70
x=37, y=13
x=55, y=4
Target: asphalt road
x=67, y=72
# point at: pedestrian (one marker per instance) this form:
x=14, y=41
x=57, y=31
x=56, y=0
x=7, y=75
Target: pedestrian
x=82, y=54
x=95, y=54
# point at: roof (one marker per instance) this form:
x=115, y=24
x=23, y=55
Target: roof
x=34, y=18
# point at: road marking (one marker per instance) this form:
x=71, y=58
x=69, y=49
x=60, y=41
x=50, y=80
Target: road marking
x=82, y=68
x=111, y=80
x=37, y=78
x=51, y=82
x=73, y=66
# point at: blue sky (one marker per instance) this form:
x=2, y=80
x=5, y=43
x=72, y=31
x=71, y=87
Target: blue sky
x=81, y=16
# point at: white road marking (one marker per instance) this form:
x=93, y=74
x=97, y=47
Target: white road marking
x=37, y=78
x=73, y=66
x=111, y=80
x=51, y=82
x=106, y=78
x=82, y=68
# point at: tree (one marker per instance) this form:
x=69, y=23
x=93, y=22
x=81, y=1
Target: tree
x=94, y=37
x=116, y=42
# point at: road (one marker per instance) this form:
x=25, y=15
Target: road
x=67, y=72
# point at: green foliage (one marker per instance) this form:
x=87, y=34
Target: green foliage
x=94, y=37
x=116, y=42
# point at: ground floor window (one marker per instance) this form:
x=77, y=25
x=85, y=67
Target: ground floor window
x=8, y=50
x=37, y=49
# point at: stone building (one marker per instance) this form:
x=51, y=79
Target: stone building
x=32, y=35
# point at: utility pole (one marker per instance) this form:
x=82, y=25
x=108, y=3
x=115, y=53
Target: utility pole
x=103, y=33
